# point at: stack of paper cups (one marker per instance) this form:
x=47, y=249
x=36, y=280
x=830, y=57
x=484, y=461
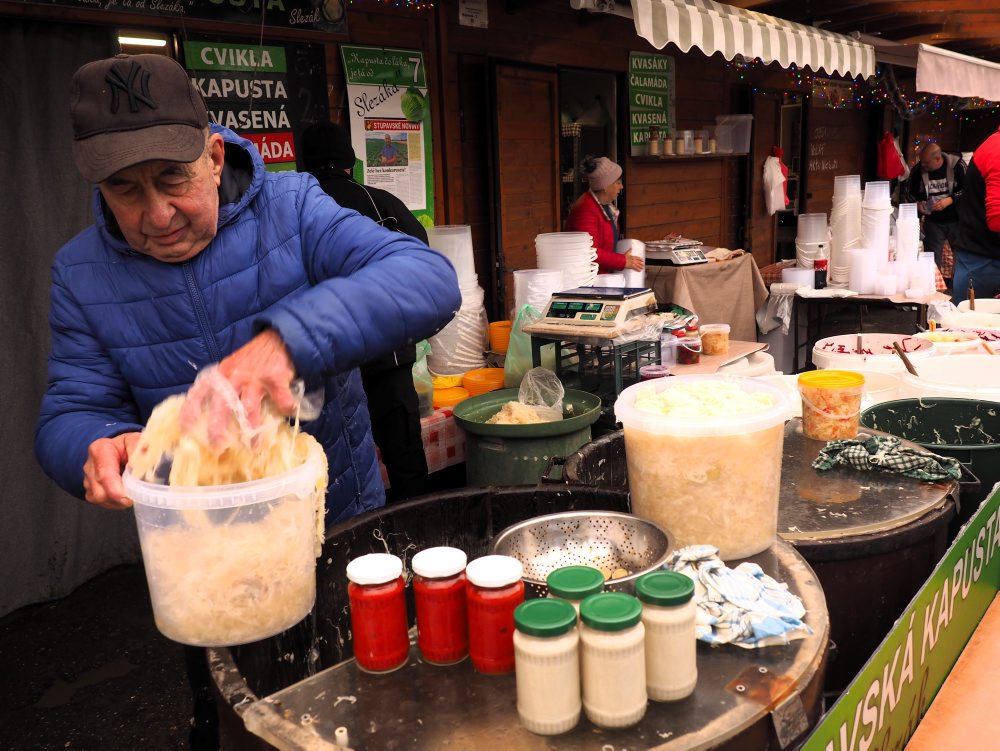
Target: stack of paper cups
x=876, y=215
x=633, y=278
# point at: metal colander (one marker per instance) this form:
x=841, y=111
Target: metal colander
x=607, y=540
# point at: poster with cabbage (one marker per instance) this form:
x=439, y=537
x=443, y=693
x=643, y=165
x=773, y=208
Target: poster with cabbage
x=390, y=122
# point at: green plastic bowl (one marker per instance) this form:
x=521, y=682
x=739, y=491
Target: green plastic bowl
x=472, y=413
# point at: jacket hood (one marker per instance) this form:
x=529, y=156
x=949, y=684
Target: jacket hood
x=242, y=177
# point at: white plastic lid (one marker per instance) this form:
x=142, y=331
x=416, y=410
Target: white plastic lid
x=436, y=563
x=494, y=571
x=374, y=568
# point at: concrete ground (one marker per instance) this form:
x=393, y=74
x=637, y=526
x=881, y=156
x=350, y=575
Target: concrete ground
x=91, y=672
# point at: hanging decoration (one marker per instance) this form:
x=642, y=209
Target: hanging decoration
x=397, y=4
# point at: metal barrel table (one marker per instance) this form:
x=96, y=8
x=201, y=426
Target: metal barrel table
x=295, y=690
x=873, y=538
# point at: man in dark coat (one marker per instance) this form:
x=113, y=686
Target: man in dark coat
x=388, y=381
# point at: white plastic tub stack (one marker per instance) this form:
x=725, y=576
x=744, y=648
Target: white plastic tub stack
x=812, y=240
x=845, y=227
x=633, y=278
x=535, y=287
x=460, y=346
x=571, y=252
x=876, y=214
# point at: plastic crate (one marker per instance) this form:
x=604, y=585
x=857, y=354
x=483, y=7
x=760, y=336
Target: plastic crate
x=732, y=133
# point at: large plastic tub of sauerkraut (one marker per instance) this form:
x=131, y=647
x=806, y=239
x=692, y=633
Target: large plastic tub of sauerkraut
x=704, y=458
x=230, y=564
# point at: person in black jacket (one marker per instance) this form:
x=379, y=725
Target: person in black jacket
x=392, y=400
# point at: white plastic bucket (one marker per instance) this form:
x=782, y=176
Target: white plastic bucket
x=230, y=564
x=840, y=352
x=959, y=376
x=707, y=479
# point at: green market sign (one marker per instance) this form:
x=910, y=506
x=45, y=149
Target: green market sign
x=650, y=98
x=882, y=707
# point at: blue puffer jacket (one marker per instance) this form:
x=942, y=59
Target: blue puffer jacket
x=128, y=331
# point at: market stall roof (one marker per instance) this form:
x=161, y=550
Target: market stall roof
x=713, y=27
x=941, y=71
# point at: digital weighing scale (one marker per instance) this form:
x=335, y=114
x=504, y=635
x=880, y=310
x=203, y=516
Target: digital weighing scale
x=599, y=306
x=678, y=252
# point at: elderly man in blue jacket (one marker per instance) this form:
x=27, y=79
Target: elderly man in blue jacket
x=199, y=256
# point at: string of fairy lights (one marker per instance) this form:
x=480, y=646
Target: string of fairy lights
x=397, y=4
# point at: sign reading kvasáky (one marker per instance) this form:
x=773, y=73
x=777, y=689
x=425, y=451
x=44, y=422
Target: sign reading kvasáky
x=650, y=98
x=390, y=122
x=256, y=91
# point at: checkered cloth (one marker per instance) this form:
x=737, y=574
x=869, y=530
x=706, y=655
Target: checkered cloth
x=741, y=606
x=884, y=453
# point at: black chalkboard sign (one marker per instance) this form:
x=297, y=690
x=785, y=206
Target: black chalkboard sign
x=312, y=15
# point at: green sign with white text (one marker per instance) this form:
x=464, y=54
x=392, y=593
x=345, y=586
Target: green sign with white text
x=882, y=707
x=650, y=98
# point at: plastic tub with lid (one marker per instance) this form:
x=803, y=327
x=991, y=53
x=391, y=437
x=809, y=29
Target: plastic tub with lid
x=958, y=376
x=230, y=564
x=876, y=353
x=704, y=458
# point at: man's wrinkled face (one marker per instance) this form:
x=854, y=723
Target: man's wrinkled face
x=168, y=210
x=932, y=162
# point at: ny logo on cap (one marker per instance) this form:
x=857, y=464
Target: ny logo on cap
x=122, y=84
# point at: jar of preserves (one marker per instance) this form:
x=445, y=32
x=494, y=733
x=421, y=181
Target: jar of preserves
x=493, y=589
x=439, y=596
x=547, y=666
x=613, y=659
x=668, y=615
x=574, y=583
x=378, y=612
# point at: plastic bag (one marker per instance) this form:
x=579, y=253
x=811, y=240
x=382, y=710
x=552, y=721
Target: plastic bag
x=776, y=310
x=423, y=384
x=518, y=360
x=543, y=392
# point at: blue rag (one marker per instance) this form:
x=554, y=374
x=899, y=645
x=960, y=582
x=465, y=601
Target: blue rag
x=741, y=606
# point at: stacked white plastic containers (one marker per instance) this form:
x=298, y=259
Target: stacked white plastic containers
x=570, y=252
x=812, y=240
x=637, y=248
x=461, y=345
x=876, y=216
x=845, y=228
x=535, y=287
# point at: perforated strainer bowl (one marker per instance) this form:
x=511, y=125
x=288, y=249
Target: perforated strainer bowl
x=608, y=540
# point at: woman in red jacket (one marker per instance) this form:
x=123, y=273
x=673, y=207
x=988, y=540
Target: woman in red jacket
x=595, y=212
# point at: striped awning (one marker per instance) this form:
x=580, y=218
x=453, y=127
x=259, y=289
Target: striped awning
x=713, y=27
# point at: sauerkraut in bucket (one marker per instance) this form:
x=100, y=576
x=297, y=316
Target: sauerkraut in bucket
x=228, y=563
x=704, y=458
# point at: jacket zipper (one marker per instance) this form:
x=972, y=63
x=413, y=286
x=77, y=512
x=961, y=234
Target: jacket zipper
x=199, y=309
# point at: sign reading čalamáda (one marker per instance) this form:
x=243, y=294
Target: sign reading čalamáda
x=390, y=122
x=650, y=98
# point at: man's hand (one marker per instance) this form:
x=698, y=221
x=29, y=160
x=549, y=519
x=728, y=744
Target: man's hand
x=102, y=472
x=942, y=203
x=260, y=368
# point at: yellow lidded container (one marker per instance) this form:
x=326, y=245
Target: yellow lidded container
x=831, y=403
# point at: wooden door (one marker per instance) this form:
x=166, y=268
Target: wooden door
x=766, y=133
x=525, y=170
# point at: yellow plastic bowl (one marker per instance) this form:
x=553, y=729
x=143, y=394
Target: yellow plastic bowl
x=449, y=397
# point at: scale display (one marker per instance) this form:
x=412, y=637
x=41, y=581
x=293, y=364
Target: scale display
x=680, y=252
x=599, y=306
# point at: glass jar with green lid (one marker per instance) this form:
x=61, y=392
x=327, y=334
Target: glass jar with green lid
x=612, y=662
x=547, y=665
x=573, y=583
x=668, y=613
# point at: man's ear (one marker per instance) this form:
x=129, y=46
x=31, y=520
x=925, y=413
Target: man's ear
x=217, y=153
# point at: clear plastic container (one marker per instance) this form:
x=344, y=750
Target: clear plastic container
x=732, y=133
x=831, y=404
x=715, y=338
x=707, y=478
x=230, y=564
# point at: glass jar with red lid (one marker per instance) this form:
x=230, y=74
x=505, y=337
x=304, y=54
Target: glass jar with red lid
x=494, y=589
x=439, y=596
x=378, y=612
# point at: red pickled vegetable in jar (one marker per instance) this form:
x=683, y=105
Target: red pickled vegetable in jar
x=493, y=590
x=378, y=612
x=439, y=595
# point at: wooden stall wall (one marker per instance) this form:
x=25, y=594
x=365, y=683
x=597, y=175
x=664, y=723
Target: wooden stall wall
x=837, y=140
